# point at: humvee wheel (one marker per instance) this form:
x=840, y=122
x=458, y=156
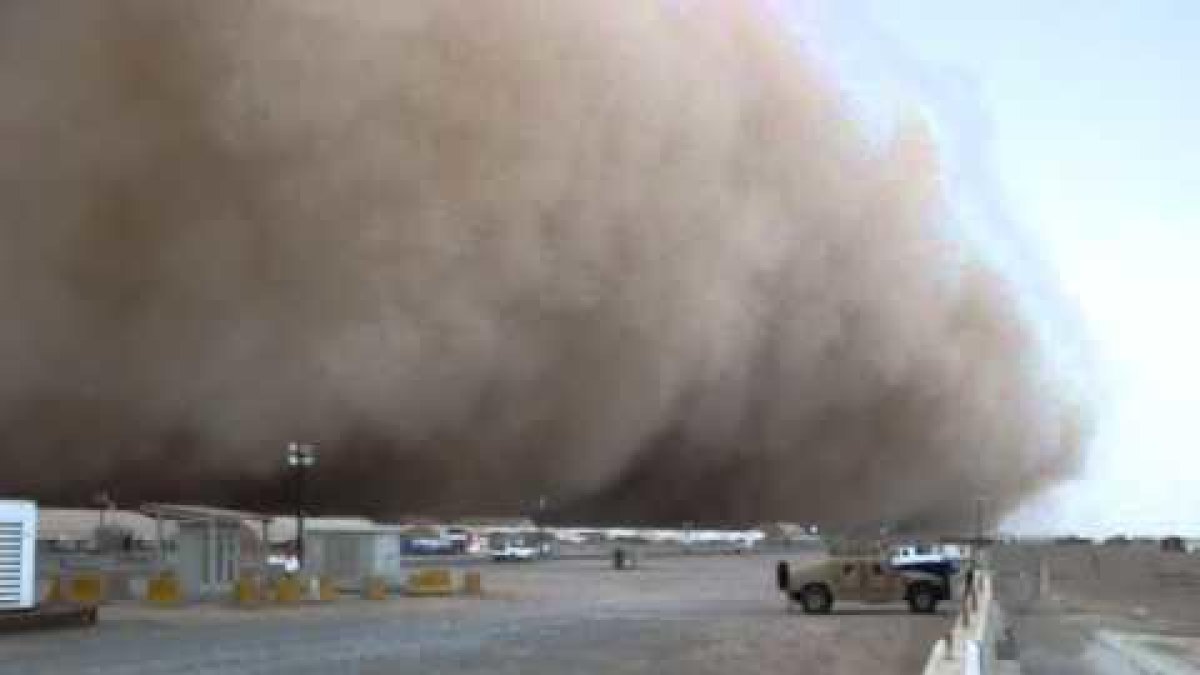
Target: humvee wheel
x=815, y=599
x=922, y=598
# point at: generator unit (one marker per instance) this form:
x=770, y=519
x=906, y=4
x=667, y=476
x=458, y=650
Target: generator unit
x=18, y=540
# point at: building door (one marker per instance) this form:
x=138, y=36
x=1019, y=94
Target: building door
x=343, y=555
x=192, y=557
x=389, y=555
x=226, y=556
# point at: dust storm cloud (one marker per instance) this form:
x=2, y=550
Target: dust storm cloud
x=637, y=257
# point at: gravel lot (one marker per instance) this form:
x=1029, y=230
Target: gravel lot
x=1129, y=590
x=716, y=614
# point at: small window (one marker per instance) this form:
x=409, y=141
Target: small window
x=847, y=570
x=877, y=570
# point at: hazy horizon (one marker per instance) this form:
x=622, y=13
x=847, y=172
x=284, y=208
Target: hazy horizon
x=1072, y=128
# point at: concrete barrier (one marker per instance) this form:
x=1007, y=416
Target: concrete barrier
x=429, y=582
x=969, y=646
x=164, y=589
x=54, y=592
x=936, y=656
x=327, y=590
x=248, y=592
x=473, y=583
x=287, y=590
x=88, y=588
x=374, y=588
x=84, y=588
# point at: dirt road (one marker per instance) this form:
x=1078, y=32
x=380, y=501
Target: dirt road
x=1061, y=600
x=677, y=615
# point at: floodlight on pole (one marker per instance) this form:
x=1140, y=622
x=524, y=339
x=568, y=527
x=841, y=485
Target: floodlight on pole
x=302, y=455
x=300, y=458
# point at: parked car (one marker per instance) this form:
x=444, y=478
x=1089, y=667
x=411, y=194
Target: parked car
x=942, y=561
x=513, y=547
x=459, y=539
x=430, y=546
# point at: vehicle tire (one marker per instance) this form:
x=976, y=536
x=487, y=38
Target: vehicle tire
x=782, y=575
x=922, y=598
x=814, y=599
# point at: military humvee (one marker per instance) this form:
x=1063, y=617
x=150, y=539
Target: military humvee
x=868, y=579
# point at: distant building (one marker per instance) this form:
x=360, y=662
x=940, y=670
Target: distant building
x=484, y=525
x=350, y=549
x=789, y=533
x=1174, y=544
x=97, y=531
x=281, y=530
x=213, y=547
x=207, y=547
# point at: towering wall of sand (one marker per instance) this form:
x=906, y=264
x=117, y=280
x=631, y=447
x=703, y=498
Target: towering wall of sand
x=632, y=256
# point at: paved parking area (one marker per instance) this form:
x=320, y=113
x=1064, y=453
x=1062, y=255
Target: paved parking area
x=697, y=614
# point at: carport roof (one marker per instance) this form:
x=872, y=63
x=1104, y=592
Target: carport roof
x=192, y=512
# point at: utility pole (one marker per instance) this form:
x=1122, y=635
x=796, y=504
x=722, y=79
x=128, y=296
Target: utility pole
x=543, y=546
x=979, y=520
x=979, y=500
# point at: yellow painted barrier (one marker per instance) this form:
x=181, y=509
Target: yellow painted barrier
x=473, y=583
x=87, y=587
x=374, y=588
x=247, y=592
x=328, y=591
x=55, y=592
x=430, y=582
x=288, y=590
x=164, y=589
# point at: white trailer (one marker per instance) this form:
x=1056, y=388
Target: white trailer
x=19, y=607
x=18, y=540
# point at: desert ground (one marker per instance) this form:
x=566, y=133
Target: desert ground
x=686, y=614
x=1066, y=604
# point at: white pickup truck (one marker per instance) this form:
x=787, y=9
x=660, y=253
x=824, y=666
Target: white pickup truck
x=512, y=547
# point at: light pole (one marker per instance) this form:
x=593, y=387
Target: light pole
x=541, y=525
x=300, y=458
x=979, y=520
x=979, y=502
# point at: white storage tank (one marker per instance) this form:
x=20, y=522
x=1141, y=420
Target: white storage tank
x=18, y=539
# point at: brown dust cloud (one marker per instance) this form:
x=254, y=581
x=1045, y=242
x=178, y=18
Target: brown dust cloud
x=639, y=258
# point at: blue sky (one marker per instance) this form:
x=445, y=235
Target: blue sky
x=1071, y=134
